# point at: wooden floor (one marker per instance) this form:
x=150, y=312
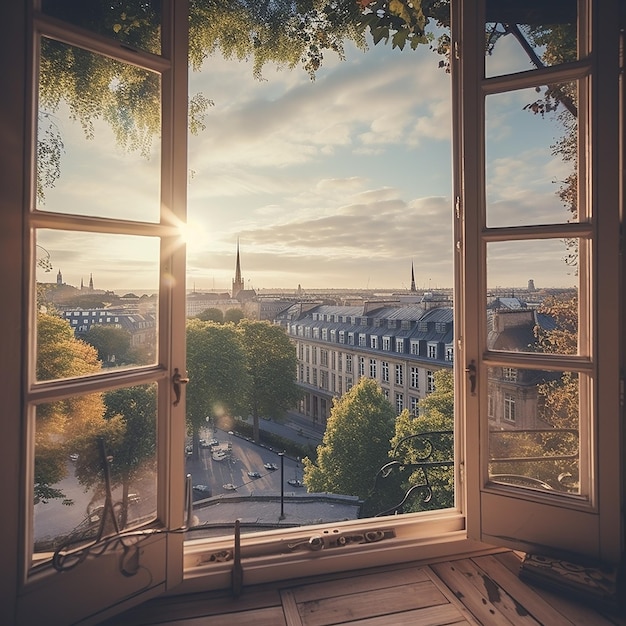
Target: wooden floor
x=480, y=590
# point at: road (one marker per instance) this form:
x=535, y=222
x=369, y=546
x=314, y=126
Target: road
x=246, y=456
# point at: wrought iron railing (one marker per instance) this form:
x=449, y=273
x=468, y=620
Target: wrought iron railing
x=416, y=457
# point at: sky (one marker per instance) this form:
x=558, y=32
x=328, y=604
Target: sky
x=340, y=182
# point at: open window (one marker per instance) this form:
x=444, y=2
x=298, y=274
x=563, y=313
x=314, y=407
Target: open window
x=104, y=367
x=537, y=439
x=537, y=180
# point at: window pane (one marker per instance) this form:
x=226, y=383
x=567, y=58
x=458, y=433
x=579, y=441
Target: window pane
x=522, y=36
x=531, y=152
x=534, y=429
x=97, y=297
x=98, y=136
x=135, y=23
x=532, y=297
x=81, y=444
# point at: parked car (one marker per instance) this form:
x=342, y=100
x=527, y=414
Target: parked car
x=254, y=474
x=295, y=483
x=204, y=489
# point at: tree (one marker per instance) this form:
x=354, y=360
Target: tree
x=218, y=376
x=133, y=451
x=112, y=344
x=234, y=315
x=356, y=442
x=272, y=366
x=62, y=426
x=429, y=438
x=211, y=315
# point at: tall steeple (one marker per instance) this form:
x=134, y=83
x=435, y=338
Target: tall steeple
x=90, y=282
x=238, y=280
x=59, y=278
x=412, y=278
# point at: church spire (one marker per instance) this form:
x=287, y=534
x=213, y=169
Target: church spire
x=412, y=278
x=238, y=280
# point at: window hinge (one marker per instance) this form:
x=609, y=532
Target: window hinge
x=457, y=208
x=457, y=50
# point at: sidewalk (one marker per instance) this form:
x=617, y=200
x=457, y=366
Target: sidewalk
x=294, y=428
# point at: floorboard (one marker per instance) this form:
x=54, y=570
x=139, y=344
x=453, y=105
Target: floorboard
x=481, y=590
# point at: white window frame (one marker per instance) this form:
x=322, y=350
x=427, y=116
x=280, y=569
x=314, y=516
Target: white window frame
x=509, y=408
x=373, y=368
x=384, y=365
x=399, y=373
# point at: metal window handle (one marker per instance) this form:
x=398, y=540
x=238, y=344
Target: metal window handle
x=177, y=381
x=471, y=371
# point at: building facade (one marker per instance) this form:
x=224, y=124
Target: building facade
x=401, y=347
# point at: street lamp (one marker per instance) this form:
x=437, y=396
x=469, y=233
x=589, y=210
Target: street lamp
x=282, y=485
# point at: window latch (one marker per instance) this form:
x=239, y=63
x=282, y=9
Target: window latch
x=178, y=380
x=471, y=372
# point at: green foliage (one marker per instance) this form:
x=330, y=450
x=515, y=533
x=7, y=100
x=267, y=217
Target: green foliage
x=112, y=344
x=218, y=378
x=234, y=315
x=62, y=426
x=436, y=417
x=211, y=315
x=271, y=364
x=59, y=353
x=355, y=444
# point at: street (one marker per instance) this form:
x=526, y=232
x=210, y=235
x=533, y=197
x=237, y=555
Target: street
x=246, y=456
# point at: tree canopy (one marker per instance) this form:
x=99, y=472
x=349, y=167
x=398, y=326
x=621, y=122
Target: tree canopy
x=112, y=344
x=356, y=443
x=218, y=376
x=61, y=426
x=211, y=314
x=272, y=366
x=429, y=438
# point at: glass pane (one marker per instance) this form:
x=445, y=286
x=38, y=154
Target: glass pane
x=534, y=429
x=97, y=298
x=528, y=35
x=532, y=296
x=95, y=467
x=135, y=23
x=531, y=156
x=98, y=136
x=323, y=209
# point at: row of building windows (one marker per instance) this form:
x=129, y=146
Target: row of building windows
x=327, y=379
x=309, y=353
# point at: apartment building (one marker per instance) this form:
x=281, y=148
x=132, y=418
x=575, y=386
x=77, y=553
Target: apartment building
x=401, y=347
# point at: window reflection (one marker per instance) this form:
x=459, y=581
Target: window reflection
x=84, y=446
x=136, y=23
x=98, y=135
x=531, y=151
x=529, y=35
x=97, y=301
x=534, y=429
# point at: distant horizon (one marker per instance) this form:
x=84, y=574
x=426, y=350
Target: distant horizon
x=500, y=290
